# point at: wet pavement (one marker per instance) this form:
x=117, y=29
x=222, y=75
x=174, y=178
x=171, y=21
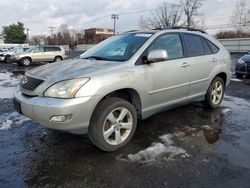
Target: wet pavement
x=184, y=147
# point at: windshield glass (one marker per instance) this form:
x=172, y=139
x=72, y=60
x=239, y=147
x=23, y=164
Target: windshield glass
x=117, y=48
x=30, y=49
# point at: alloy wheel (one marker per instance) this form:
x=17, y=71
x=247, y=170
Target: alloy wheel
x=217, y=92
x=117, y=126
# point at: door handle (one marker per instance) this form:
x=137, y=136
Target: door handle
x=185, y=64
x=214, y=60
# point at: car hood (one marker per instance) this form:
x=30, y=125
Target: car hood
x=246, y=58
x=70, y=69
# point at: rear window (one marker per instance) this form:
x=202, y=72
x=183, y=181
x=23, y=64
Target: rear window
x=194, y=45
x=212, y=46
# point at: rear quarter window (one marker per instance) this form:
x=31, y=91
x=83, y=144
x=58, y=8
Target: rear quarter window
x=212, y=46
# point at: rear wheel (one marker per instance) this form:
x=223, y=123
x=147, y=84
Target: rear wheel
x=58, y=58
x=113, y=124
x=238, y=75
x=215, y=93
x=25, y=61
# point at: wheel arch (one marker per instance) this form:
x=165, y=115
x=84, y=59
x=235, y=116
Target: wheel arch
x=223, y=76
x=26, y=57
x=128, y=94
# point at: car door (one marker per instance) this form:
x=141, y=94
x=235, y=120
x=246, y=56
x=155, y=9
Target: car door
x=49, y=53
x=167, y=81
x=38, y=54
x=201, y=62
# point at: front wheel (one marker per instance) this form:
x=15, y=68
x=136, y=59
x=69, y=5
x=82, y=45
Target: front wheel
x=215, y=93
x=113, y=124
x=238, y=75
x=7, y=59
x=25, y=61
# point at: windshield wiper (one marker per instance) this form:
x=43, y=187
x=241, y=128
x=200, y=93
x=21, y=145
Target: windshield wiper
x=97, y=58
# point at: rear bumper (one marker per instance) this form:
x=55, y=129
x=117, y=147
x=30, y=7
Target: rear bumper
x=41, y=109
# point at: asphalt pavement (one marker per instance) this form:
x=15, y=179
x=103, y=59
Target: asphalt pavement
x=189, y=146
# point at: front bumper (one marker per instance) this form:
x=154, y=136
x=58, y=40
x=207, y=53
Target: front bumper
x=41, y=109
x=14, y=59
x=243, y=68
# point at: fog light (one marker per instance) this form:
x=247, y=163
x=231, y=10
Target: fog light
x=61, y=118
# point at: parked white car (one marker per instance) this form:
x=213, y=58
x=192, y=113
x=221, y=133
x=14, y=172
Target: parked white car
x=6, y=56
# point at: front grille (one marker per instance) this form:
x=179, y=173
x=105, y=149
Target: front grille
x=30, y=83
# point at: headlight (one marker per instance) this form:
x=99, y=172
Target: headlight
x=240, y=61
x=66, y=89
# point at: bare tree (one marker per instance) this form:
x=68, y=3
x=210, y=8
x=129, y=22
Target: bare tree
x=37, y=39
x=164, y=16
x=241, y=16
x=191, y=11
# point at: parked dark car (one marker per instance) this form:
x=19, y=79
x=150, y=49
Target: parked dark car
x=242, y=67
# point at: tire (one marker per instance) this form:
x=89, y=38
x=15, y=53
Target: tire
x=58, y=58
x=238, y=75
x=7, y=59
x=26, y=61
x=101, y=123
x=214, y=97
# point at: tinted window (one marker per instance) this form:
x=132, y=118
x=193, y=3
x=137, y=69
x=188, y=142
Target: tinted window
x=207, y=49
x=212, y=46
x=171, y=43
x=52, y=49
x=194, y=45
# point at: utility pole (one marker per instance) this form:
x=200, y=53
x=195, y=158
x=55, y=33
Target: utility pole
x=51, y=34
x=51, y=30
x=27, y=34
x=114, y=17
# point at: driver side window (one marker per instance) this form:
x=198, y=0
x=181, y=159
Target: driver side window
x=169, y=42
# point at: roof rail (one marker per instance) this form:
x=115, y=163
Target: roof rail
x=130, y=31
x=180, y=27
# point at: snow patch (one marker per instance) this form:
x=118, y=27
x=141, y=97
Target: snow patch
x=8, y=85
x=166, y=147
x=236, y=80
x=11, y=120
x=226, y=110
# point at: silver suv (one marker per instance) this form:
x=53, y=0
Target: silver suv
x=127, y=77
x=40, y=54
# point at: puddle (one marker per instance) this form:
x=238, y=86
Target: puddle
x=177, y=144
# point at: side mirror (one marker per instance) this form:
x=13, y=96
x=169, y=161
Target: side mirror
x=157, y=55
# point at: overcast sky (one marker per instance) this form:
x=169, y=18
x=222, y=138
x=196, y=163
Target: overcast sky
x=38, y=15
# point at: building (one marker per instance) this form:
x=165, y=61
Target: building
x=96, y=35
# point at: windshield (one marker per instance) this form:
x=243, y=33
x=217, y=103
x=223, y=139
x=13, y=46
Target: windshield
x=30, y=49
x=117, y=48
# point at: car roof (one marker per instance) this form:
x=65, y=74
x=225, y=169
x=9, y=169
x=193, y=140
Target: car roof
x=169, y=29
